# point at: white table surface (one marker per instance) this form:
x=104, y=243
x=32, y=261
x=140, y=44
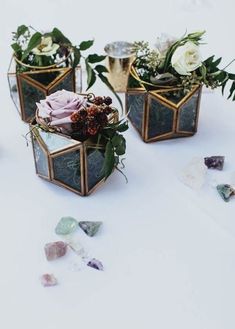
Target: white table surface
x=168, y=251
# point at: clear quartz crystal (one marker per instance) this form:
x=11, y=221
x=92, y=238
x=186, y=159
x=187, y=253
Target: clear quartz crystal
x=194, y=174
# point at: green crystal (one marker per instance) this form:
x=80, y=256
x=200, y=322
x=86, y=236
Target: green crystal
x=90, y=228
x=66, y=225
x=225, y=191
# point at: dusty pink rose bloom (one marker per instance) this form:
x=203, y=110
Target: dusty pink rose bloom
x=56, y=109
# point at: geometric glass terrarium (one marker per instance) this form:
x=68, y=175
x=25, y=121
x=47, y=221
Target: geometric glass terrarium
x=29, y=84
x=67, y=162
x=160, y=114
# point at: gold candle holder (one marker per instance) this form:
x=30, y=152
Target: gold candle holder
x=119, y=59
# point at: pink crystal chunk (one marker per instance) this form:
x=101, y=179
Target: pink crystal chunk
x=48, y=280
x=55, y=250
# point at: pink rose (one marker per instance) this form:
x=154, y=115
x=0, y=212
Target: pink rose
x=57, y=108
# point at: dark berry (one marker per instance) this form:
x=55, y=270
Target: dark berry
x=98, y=100
x=108, y=100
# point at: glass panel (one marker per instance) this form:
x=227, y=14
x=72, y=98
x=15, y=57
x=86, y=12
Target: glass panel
x=66, y=83
x=78, y=79
x=55, y=142
x=67, y=169
x=95, y=162
x=41, y=160
x=45, y=78
x=188, y=114
x=170, y=96
x=14, y=90
x=160, y=119
x=136, y=104
x=30, y=95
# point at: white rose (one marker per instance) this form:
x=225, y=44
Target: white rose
x=186, y=58
x=46, y=47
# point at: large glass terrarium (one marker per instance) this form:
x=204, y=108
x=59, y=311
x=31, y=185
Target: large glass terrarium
x=67, y=162
x=29, y=84
x=159, y=114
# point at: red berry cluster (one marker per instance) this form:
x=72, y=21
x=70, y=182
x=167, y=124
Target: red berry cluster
x=89, y=121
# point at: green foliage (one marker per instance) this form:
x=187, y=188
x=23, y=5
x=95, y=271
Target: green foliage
x=93, y=69
x=115, y=146
x=60, y=38
x=216, y=77
x=84, y=45
x=94, y=58
x=33, y=42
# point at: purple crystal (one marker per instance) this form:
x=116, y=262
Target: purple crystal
x=55, y=250
x=48, y=280
x=214, y=162
x=96, y=264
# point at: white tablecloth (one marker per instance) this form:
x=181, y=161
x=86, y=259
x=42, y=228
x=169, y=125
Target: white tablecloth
x=168, y=251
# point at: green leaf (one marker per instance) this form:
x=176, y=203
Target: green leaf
x=203, y=71
x=209, y=60
x=59, y=37
x=77, y=56
x=116, y=140
x=109, y=160
x=101, y=69
x=122, y=127
x=21, y=30
x=91, y=77
x=231, y=76
x=104, y=79
x=33, y=42
x=217, y=62
x=84, y=45
x=94, y=58
x=232, y=89
x=120, y=149
x=16, y=47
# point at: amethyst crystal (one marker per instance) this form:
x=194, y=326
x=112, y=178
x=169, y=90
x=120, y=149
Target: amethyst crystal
x=214, y=162
x=225, y=191
x=48, y=280
x=55, y=250
x=96, y=264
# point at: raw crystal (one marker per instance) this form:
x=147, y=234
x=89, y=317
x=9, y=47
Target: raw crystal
x=215, y=162
x=194, y=174
x=66, y=225
x=75, y=245
x=48, y=280
x=96, y=264
x=225, y=191
x=90, y=228
x=55, y=250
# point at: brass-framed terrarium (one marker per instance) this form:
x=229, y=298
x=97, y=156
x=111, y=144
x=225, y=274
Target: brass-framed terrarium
x=78, y=145
x=165, y=84
x=28, y=84
x=163, y=113
x=66, y=162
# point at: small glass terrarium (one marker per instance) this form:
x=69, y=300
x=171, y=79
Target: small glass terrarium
x=67, y=162
x=77, y=140
x=165, y=83
x=162, y=113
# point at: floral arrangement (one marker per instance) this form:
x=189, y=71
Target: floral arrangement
x=34, y=48
x=83, y=117
x=178, y=63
